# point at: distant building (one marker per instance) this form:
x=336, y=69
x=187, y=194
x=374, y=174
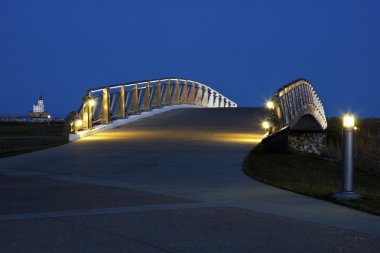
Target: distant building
x=39, y=109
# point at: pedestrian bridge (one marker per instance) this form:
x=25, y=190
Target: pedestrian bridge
x=296, y=107
x=105, y=104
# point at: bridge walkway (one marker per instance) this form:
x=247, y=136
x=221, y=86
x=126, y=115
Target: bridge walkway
x=172, y=182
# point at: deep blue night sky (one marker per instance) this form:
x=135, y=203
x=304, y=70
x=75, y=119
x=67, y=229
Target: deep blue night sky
x=244, y=49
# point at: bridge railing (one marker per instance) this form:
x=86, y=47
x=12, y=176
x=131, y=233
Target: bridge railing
x=296, y=99
x=102, y=105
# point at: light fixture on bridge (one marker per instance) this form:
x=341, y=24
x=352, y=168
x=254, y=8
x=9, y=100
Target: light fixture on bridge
x=78, y=123
x=266, y=124
x=269, y=104
x=349, y=120
x=91, y=102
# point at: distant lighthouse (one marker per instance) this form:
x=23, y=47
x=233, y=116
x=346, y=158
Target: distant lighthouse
x=39, y=109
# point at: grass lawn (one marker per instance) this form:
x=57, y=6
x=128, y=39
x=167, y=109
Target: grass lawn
x=27, y=149
x=312, y=175
x=19, y=137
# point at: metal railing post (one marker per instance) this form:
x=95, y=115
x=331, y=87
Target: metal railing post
x=211, y=99
x=135, y=100
x=175, y=98
x=90, y=112
x=146, y=98
x=184, y=93
x=105, y=110
x=198, y=95
x=205, y=96
x=167, y=99
x=121, y=110
x=216, y=99
x=191, y=96
x=157, y=95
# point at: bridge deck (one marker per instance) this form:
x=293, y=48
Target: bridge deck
x=172, y=182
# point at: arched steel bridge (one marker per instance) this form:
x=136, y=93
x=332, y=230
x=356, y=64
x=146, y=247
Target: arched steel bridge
x=297, y=106
x=104, y=104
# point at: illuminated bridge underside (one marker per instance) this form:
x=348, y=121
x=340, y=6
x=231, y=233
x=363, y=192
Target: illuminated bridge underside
x=105, y=104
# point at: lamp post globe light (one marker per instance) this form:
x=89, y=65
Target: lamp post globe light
x=347, y=192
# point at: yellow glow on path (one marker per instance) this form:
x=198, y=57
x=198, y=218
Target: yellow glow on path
x=170, y=135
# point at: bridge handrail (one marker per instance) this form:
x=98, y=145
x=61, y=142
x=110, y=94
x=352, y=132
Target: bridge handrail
x=103, y=104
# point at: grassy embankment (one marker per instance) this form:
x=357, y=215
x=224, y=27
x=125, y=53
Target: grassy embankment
x=319, y=177
x=18, y=137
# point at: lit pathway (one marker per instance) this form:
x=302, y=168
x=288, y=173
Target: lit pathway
x=172, y=182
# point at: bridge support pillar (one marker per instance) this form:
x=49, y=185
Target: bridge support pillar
x=307, y=142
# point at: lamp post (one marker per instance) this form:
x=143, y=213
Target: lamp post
x=347, y=192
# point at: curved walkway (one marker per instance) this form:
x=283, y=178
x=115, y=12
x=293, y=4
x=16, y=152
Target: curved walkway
x=172, y=182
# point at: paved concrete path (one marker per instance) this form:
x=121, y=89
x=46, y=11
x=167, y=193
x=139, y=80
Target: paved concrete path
x=168, y=183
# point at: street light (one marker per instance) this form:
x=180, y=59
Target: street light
x=347, y=192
